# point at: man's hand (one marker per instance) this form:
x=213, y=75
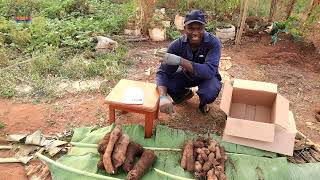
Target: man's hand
x=166, y=105
x=167, y=58
x=171, y=59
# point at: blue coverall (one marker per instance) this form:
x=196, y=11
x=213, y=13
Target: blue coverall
x=205, y=63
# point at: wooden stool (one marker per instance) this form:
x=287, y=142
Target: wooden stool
x=149, y=108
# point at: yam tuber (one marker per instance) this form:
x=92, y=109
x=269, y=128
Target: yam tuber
x=222, y=176
x=120, y=149
x=107, y=162
x=197, y=166
x=223, y=157
x=189, y=156
x=202, y=154
x=220, y=168
x=211, y=157
x=207, y=166
x=211, y=175
x=218, y=154
x=216, y=172
x=103, y=143
x=147, y=159
x=199, y=158
x=133, y=150
x=199, y=175
x=100, y=165
x=212, y=145
x=184, y=157
x=198, y=144
x=205, y=150
x=187, y=161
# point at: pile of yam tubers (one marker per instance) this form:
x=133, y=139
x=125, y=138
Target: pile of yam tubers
x=205, y=158
x=116, y=150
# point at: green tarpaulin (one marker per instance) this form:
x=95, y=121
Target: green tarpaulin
x=243, y=163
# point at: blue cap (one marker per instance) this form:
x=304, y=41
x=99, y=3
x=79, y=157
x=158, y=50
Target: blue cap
x=195, y=16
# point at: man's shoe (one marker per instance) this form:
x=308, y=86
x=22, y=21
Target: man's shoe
x=187, y=95
x=204, y=109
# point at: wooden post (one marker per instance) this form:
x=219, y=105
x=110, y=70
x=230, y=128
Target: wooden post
x=256, y=7
x=273, y=10
x=241, y=13
x=242, y=22
x=290, y=8
x=307, y=13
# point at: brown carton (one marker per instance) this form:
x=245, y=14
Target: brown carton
x=258, y=116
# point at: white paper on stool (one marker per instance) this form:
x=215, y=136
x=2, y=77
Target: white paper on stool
x=133, y=95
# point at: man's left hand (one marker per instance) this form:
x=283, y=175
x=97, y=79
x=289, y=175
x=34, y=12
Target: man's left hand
x=171, y=59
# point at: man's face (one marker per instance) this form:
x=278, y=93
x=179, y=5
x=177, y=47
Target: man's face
x=195, y=32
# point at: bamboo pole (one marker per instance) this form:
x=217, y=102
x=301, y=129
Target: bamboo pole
x=243, y=22
x=150, y=148
x=73, y=170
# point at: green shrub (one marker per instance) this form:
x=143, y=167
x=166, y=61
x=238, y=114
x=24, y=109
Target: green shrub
x=173, y=33
x=47, y=62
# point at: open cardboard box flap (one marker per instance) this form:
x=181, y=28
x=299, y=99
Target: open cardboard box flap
x=251, y=130
x=256, y=113
x=283, y=139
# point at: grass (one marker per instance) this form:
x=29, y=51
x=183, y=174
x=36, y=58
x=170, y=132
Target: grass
x=2, y=125
x=58, y=44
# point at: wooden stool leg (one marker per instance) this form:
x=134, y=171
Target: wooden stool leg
x=124, y=112
x=156, y=114
x=112, y=114
x=148, y=124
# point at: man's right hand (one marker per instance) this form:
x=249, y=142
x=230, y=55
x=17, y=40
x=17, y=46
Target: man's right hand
x=166, y=105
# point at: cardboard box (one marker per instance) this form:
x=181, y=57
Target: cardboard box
x=258, y=116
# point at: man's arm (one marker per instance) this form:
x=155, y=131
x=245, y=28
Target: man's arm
x=187, y=65
x=162, y=90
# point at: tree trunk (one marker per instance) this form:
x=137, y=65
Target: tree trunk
x=273, y=10
x=290, y=8
x=243, y=22
x=147, y=9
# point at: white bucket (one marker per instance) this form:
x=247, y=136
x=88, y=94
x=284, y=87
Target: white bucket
x=157, y=34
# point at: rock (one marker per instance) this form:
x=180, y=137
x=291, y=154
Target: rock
x=23, y=89
x=132, y=32
x=179, y=22
x=105, y=44
x=309, y=123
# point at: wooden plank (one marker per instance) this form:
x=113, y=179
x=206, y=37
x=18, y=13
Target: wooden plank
x=273, y=10
x=243, y=22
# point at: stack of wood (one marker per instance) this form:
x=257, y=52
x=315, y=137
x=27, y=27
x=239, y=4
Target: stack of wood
x=305, y=151
x=204, y=158
x=117, y=151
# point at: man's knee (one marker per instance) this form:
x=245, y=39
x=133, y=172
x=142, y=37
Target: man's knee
x=210, y=96
x=209, y=93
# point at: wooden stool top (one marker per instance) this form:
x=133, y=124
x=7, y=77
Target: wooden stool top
x=150, y=93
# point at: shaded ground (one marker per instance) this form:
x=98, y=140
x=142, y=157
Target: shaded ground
x=295, y=67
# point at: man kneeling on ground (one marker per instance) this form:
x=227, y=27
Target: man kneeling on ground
x=191, y=60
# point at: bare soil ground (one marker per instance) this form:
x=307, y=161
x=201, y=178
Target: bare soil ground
x=294, y=66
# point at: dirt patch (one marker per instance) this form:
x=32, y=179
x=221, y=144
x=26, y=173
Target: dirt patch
x=11, y=171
